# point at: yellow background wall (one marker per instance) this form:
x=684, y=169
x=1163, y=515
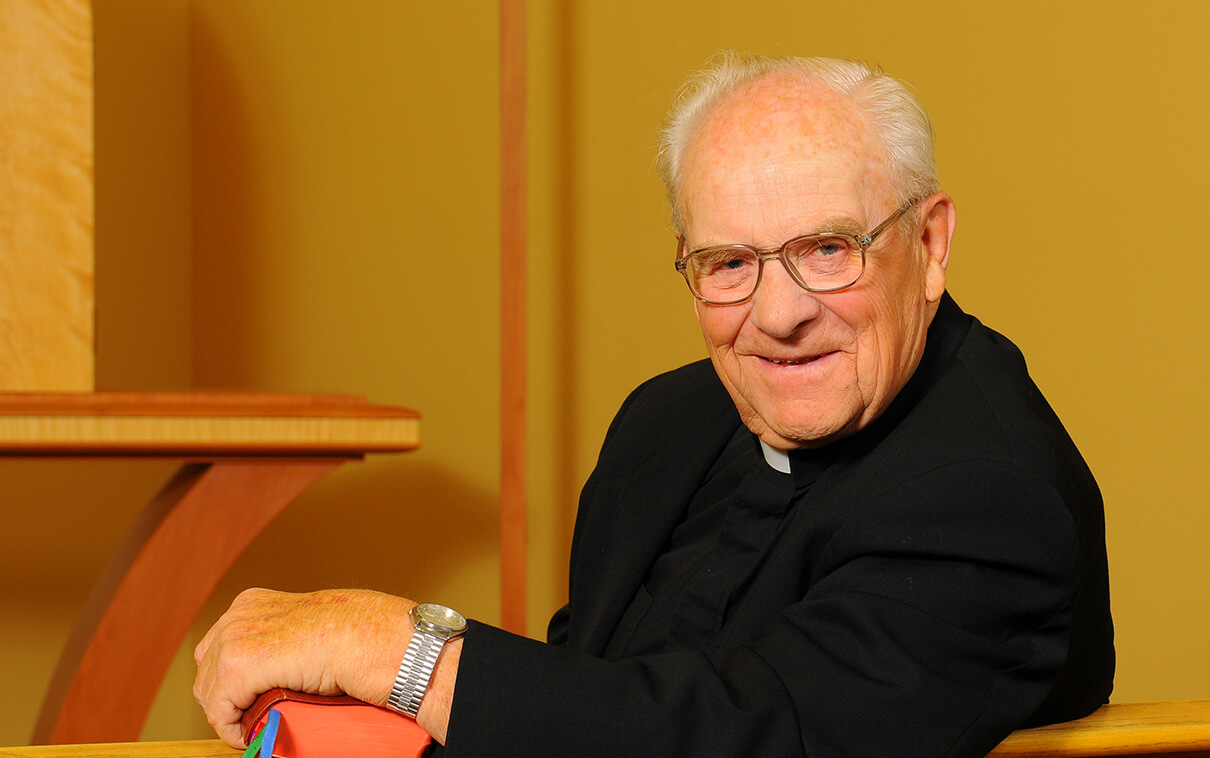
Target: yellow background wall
x=301, y=195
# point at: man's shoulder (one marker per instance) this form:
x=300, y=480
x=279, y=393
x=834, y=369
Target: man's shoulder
x=690, y=391
x=972, y=371
x=675, y=409
x=690, y=383
x=982, y=403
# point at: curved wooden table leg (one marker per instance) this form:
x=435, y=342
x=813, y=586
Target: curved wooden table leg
x=155, y=586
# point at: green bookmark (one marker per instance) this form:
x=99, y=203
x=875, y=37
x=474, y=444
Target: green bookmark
x=254, y=746
x=265, y=740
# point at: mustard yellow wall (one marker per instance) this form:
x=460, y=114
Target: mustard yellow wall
x=320, y=214
x=1073, y=136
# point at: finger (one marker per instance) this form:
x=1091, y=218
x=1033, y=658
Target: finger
x=227, y=725
x=203, y=684
x=205, y=656
x=199, y=651
x=225, y=698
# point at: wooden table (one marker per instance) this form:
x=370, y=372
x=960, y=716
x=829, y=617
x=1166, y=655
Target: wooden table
x=244, y=459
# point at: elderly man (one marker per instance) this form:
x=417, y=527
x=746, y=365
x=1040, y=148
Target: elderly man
x=858, y=530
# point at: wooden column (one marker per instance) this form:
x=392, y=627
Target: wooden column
x=513, y=527
x=46, y=195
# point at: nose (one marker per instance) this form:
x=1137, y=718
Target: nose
x=779, y=305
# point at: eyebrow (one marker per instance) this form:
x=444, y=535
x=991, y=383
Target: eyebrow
x=846, y=225
x=838, y=225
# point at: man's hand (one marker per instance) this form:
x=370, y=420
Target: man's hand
x=331, y=642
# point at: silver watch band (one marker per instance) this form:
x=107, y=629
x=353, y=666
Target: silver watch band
x=415, y=671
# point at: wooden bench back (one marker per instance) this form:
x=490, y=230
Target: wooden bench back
x=1171, y=728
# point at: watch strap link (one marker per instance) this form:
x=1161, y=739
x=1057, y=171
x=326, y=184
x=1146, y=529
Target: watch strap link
x=415, y=671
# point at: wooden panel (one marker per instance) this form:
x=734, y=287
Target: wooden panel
x=46, y=195
x=1173, y=728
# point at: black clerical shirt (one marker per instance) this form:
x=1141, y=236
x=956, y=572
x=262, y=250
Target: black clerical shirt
x=727, y=527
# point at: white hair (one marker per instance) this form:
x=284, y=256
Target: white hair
x=894, y=113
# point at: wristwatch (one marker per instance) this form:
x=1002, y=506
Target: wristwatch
x=435, y=626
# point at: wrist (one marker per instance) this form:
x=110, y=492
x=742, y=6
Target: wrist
x=434, y=713
x=433, y=629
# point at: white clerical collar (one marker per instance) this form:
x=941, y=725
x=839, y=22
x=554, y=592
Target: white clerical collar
x=778, y=459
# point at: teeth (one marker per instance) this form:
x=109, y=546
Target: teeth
x=792, y=363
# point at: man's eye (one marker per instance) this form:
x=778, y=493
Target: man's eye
x=831, y=246
x=817, y=249
x=725, y=262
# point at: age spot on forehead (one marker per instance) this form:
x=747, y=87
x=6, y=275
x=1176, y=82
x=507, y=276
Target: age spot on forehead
x=778, y=127
x=807, y=112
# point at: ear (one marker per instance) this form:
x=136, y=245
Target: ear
x=936, y=233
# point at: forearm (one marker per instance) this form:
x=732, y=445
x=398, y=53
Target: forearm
x=520, y=697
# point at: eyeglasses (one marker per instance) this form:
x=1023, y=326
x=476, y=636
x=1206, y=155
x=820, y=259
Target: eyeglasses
x=828, y=262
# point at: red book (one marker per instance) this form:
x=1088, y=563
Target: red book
x=320, y=726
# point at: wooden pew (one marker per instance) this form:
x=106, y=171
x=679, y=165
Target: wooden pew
x=185, y=749
x=1171, y=728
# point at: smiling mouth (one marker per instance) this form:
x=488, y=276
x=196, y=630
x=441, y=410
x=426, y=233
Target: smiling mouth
x=794, y=362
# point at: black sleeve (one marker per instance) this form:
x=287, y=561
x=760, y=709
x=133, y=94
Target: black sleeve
x=936, y=620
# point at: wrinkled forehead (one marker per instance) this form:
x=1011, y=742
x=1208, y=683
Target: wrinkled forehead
x=780, y=135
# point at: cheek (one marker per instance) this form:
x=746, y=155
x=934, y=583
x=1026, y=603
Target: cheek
x=720, y=326
x=883, y=333
x=889, y=309
x=889, y=339
x=878, y=327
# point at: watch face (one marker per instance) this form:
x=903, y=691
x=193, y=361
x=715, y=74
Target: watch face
x=440, y=616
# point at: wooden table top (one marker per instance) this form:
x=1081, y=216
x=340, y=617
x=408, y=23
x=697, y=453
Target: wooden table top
x=200, y=424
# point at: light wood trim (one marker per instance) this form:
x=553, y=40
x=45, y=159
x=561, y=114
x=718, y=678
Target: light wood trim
x=201, y=425
x=1173, y=727
x=513, y=508
x=192, y=404
x=183, y=749
x=46, y=195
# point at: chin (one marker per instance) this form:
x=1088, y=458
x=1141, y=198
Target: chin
x=808, y=424
x=792, y=436
x=800, y=422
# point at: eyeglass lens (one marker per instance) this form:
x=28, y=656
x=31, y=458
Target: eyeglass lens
x=730, y=273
